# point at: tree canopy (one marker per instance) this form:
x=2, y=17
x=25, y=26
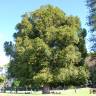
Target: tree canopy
x=48, y=43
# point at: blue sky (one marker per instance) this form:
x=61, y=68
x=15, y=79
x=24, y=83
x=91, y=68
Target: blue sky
x=12, y=10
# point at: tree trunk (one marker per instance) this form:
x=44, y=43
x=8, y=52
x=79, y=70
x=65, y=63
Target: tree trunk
x=46, y=89
x=16, y=90
x=26, y=91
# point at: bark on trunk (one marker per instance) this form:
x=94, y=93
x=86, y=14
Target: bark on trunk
x=46, y=89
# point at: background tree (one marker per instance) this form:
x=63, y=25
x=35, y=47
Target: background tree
x=9, y=48
x=92, y=22
x=46, y=41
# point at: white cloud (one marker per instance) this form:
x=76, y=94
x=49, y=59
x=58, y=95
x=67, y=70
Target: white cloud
x=3, y=59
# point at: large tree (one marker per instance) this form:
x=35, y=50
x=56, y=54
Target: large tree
x=46, y=44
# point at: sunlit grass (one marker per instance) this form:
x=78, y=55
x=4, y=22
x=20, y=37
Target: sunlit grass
x=70, y=92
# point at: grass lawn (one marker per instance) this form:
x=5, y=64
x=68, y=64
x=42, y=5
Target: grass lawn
x=70, y=92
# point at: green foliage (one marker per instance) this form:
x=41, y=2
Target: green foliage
x=73, y=75
x=16, y=83
x=9, y=49
x=2, y=79
x=81, y=45
x=93, y=74
x=46, y=45
x=43, y=77
x=72, y=55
